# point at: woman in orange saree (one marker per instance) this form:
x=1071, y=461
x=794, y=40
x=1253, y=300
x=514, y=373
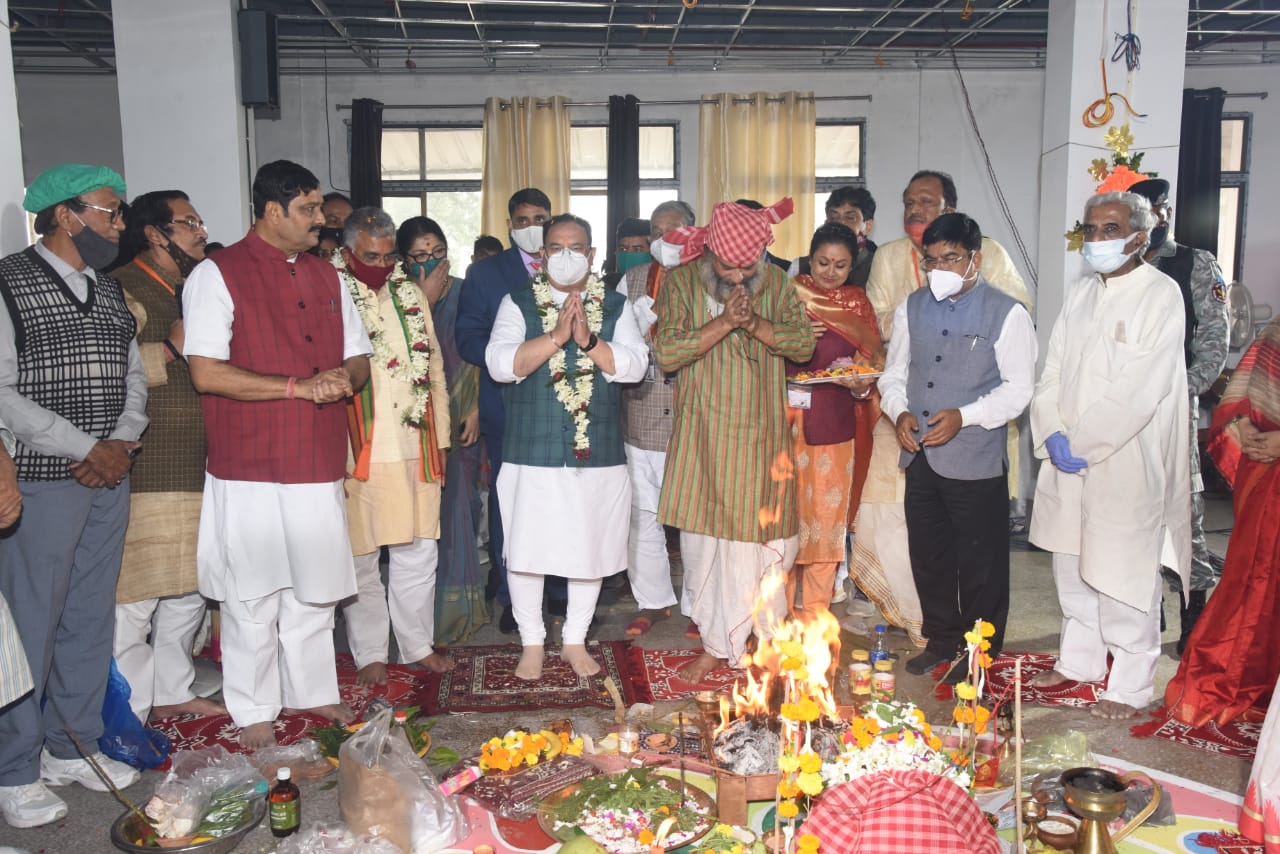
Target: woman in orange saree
x=1232, y=660
x=831, y=422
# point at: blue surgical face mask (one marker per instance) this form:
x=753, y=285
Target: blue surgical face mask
x=419, y=270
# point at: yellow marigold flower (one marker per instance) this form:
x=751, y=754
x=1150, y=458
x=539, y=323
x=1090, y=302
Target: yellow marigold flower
x=574, y=748
x=802, y=675
x=808, y=843
x=791, y=648
x=810, y=784
x=966, y=691
x=790, y=711
x=646, y=836
x=985, y=645
x=806, y=710
x=810, y=763
x=788, y=763
x=790, y=663
x=918, y=717
x=723, y=829
x=788, y=789
x=972, y=637
x=788, y=809
x=935, y=743
x=986, y=629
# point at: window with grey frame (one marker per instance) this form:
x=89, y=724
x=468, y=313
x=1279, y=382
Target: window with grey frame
x=1233, y=198
x=435, y=170
x=839, y=159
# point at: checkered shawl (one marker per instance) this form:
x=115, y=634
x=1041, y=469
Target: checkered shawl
x=900, y=812
x=736, y=234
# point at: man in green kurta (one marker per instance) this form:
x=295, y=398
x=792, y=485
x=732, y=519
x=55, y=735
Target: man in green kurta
x=727, y=321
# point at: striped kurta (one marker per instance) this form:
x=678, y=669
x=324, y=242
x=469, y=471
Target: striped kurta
x=730, y=413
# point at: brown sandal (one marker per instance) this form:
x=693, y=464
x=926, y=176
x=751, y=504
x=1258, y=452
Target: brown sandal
x=645, y=620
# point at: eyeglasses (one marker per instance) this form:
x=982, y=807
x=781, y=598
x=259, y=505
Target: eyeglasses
x=191, y=223
x=945, y=261
x=113, y=213
x=375, y=258
x=439, y=253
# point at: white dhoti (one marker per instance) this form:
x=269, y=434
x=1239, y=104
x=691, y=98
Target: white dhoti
x=408, y=604
x=734, y=588
x=159, y=672
x=277, y=556
x=1095, y=625
x=648, y=566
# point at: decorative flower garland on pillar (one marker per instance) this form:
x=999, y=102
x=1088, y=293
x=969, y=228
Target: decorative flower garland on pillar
x=573, y=388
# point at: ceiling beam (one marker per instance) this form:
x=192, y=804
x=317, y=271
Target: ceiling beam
x=323, y=8
x=715, y=66
x=990, y=18
x=92, y=57
x=1238, y=32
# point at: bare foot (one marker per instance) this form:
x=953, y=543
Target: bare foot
x=336, y=712
x=258, y=736
x=195, y=706
x=437, y=663
x=1048, y=679
x=695, y=671
x=1112, y=711
x=372, y=674
x=579, y=659
x=530, y=666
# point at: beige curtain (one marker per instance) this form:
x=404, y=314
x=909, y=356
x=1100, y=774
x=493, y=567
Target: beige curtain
x=760, y=146
x=526, y=144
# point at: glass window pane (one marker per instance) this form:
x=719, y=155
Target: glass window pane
x=1228, y=230
x=594, y=208
x=458, y=214
x=837, y=151
x=402, y=207
x=657, y=152
x=588, y=154
x=400, y=155
x=1233, y=141
x=650, y=199
x=455, y=154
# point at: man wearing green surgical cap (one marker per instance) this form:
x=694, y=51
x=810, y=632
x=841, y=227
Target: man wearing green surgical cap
x=73, y=391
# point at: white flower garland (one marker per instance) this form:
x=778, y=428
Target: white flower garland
x=573, y=388
x=407, y=301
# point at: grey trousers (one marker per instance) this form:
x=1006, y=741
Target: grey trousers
x=58, y=569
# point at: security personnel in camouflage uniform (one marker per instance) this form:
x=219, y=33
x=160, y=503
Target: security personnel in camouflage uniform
x=1204, y=296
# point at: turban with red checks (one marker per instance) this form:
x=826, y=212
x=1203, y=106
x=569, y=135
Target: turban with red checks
x=900, y=810
x=737, y=234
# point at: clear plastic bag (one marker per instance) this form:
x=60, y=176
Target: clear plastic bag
x=1049, y=753
x=386, y=791
x=335, y=838
x=201, y=780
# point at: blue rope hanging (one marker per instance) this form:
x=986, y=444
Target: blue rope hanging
x=1130, y=46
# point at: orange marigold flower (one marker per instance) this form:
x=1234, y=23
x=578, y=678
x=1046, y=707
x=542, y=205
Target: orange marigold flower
x=788, y=789
x=1120, y=179
x=646, y=836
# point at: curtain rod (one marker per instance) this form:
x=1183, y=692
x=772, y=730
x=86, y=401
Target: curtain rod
x=1261, y=95
x=680, y=102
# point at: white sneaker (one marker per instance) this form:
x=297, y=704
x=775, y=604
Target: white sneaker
x=62, y=772
x=31, y=805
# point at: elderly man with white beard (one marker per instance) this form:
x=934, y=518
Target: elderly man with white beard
x=727, y=322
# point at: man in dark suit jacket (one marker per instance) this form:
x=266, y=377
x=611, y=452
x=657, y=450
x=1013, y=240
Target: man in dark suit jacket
x=487, y=282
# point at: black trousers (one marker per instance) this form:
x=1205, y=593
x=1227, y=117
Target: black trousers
x=958, y=536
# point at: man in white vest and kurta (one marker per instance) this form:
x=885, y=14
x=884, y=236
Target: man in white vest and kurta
x=1110, y=414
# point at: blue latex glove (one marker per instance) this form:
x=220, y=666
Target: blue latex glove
x=1060, y=455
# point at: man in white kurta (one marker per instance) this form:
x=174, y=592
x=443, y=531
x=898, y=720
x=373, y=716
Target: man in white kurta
x=568, y=519
x=275, y=554
x=400, y=432
x=1113, y=503
x=880, y=562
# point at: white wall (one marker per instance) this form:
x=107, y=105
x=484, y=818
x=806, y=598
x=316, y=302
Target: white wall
x=69, y=118
x=13, y=220
x=915, y=120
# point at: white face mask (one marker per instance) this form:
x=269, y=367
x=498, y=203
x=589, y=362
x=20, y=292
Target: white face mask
x=666, y=254
x=567, y=267
x=1106, y=256
x=945, y=283
x=529, y=239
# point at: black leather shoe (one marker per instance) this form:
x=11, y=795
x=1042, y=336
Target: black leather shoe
x=507, y=622
x=924, y=662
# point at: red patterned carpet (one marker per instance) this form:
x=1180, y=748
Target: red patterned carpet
x=1237, y=738
x=661, y=667
x=1076, y=695
x=485, y=681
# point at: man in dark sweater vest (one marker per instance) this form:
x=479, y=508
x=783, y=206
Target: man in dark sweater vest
x=275, y=346
x=74, y=393
x=961, y=365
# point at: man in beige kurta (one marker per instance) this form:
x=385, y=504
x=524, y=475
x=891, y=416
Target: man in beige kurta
x=727, y=320
x=879, y=561
x=158, y=608
x=400, y=432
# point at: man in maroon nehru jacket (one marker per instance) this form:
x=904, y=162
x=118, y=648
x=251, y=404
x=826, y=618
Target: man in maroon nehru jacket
x=275, y=346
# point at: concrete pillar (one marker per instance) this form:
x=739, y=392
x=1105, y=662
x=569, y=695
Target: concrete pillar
x=1078, y=36
x=181, y=120
x=13, y=219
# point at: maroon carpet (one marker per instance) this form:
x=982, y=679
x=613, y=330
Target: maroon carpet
x=1077, y=695
x=1238, y=738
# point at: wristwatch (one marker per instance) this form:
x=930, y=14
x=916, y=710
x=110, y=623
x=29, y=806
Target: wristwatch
x=591, y=343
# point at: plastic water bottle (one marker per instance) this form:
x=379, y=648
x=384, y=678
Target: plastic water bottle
x=880, y=648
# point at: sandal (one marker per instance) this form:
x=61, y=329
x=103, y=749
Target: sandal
x=692, y=631
x=645, y=620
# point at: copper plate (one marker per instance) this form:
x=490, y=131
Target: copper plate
x=547, y=819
